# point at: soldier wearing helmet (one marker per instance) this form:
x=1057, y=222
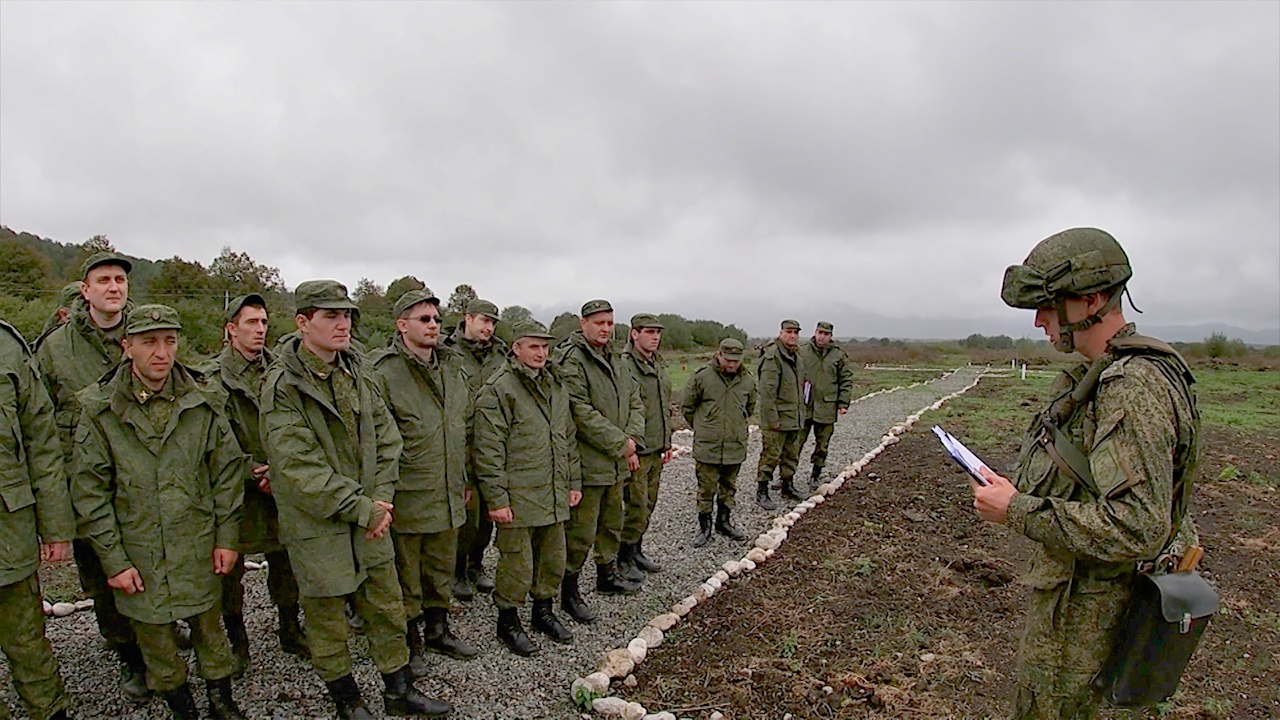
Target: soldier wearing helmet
x=1105, y=474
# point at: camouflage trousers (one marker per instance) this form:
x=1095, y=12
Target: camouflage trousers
x=1068, y=636
x=31, y=662
x=167, y=668
x=532, y=563
x=821, y=440
x=716, y=482
x=425, y=563
x=281, y=583
x=378, y=602
x=596, y=520
x=780, y=449
x=639, y=496
x=115, y=628
x=474, y=535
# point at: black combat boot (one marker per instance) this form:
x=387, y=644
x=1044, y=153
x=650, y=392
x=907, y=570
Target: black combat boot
x=60, y=715
x=627, y=565
x=239, y=639
x=292, y=639
x=401, y=698
x=789, y=490
x=181, y=703
x=475, y=574
x=221, y=704
x=704, y=530
x=417, y=653
x=610, y=581
x=346, y=695
x=544, y=620
x=762, y=494
x=815, y=476
x=512, y=633
x=642, y=562
x=725, y=526
x=571, y=601
x=133, y=673
x=438, y=638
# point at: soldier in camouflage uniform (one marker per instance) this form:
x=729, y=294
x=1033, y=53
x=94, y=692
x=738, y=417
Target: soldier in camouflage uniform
x=828, y=386
x=36, y=523
x=1105, y=474
x=334, y=452
x=240, y=369
x=72, y=357
x=482, y=354
x=526, y=459
x=718, y=401
x=157, y=483
x=782, y=413
x=610, y=417
x=640, y=493
x=426, y=391
x=69, y=301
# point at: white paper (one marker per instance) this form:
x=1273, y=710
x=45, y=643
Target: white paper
x=962, y=454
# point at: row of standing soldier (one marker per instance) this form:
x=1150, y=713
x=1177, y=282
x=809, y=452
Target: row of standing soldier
x=311, y=452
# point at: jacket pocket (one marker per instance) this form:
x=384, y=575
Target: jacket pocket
x=17, y=497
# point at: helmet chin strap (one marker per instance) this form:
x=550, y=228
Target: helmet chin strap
x=1067, y=330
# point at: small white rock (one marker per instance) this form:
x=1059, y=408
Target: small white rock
x=707, y=590
x=664, y=715
x=251, y=565
x=748, y=565
x=609, y=706
x=722, y=576
x=638, y=649
x=618, y=663
x=756, y=555
x=633, y=711
x=766, y=542
x=86, y=604
x=46, y=607
x=665, y=621
x=651, y=636
x=630, y=681
x=598, y=682
x=817, y=499
x=63, y=609
x=717, y=715
x=733, y=568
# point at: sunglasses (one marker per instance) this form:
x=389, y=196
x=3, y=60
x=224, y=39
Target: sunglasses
x=424, y=319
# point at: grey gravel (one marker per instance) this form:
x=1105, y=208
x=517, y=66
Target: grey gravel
x=498, y=684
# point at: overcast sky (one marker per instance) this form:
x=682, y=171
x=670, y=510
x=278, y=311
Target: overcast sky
x=872, y=164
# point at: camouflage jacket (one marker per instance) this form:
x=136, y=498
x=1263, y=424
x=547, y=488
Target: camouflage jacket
x=326, y=474
x=655, y=391
x=717, y=406
x=1138, y=427
x=479, y=362
x=830, y=377
x=73, y=357
x=35, y=506
x=606, y=407
x=781, y=386
x=430, y=406
x=158, y=499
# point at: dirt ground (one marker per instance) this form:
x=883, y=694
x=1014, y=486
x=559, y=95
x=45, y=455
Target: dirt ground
x=892, y=600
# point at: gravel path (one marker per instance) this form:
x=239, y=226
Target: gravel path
x=498, y=684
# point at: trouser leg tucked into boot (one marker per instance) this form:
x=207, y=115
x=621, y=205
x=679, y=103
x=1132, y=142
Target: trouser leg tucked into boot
x=626, y=564
x=642, y=562
x=401, y=698
x=221, y=704
x=544, y=620
x=762, y=492
x=815, y=476
x=239, y=639
x=181, y=703
x=437, y=637
x=725, y=526
x=511, y=633
x=789, y=489
x=346, y=696
x=417, y=653
x=571, y=601
x=610, y=581
x=133, y=673
x=704, y=530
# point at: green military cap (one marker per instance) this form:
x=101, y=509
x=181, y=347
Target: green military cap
x=323, y=295
x=731, y=349
x=825, y=326
x=790, y=324
x=591, y=307
x=105, y=258
x=68, y=295
x=151, y=317
x=645, y=320
x=531, y=328
x=477, y=306
x=237, y=303
x=412, y=298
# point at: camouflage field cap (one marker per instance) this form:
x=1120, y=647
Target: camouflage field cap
x=105, y=258
x=645, y=320
x=531, y=328
x=790, y=324
x=408, y=300
x=591, y=307
x=323, y=295
x=1075, y=262
x=480, y=306
x=145, y=318
x=68, y=295
x=825, y=326
x=237, y=303
x=732, y=349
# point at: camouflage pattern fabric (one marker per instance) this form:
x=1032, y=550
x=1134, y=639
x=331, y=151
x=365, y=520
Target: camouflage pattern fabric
x=532, y=564
x=31, y=662
x=716, y=482
x=167, y=668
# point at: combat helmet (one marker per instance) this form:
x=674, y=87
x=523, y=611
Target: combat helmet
x=1072, y=263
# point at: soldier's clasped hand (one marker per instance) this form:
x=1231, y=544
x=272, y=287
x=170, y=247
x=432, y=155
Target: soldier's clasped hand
x=992, y=501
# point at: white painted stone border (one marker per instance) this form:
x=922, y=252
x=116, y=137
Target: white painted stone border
x=63, y=609
x=619, y=663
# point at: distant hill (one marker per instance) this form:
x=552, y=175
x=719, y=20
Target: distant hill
x=65, y=258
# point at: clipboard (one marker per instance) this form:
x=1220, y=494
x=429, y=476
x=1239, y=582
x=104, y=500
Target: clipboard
x=963, y=456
